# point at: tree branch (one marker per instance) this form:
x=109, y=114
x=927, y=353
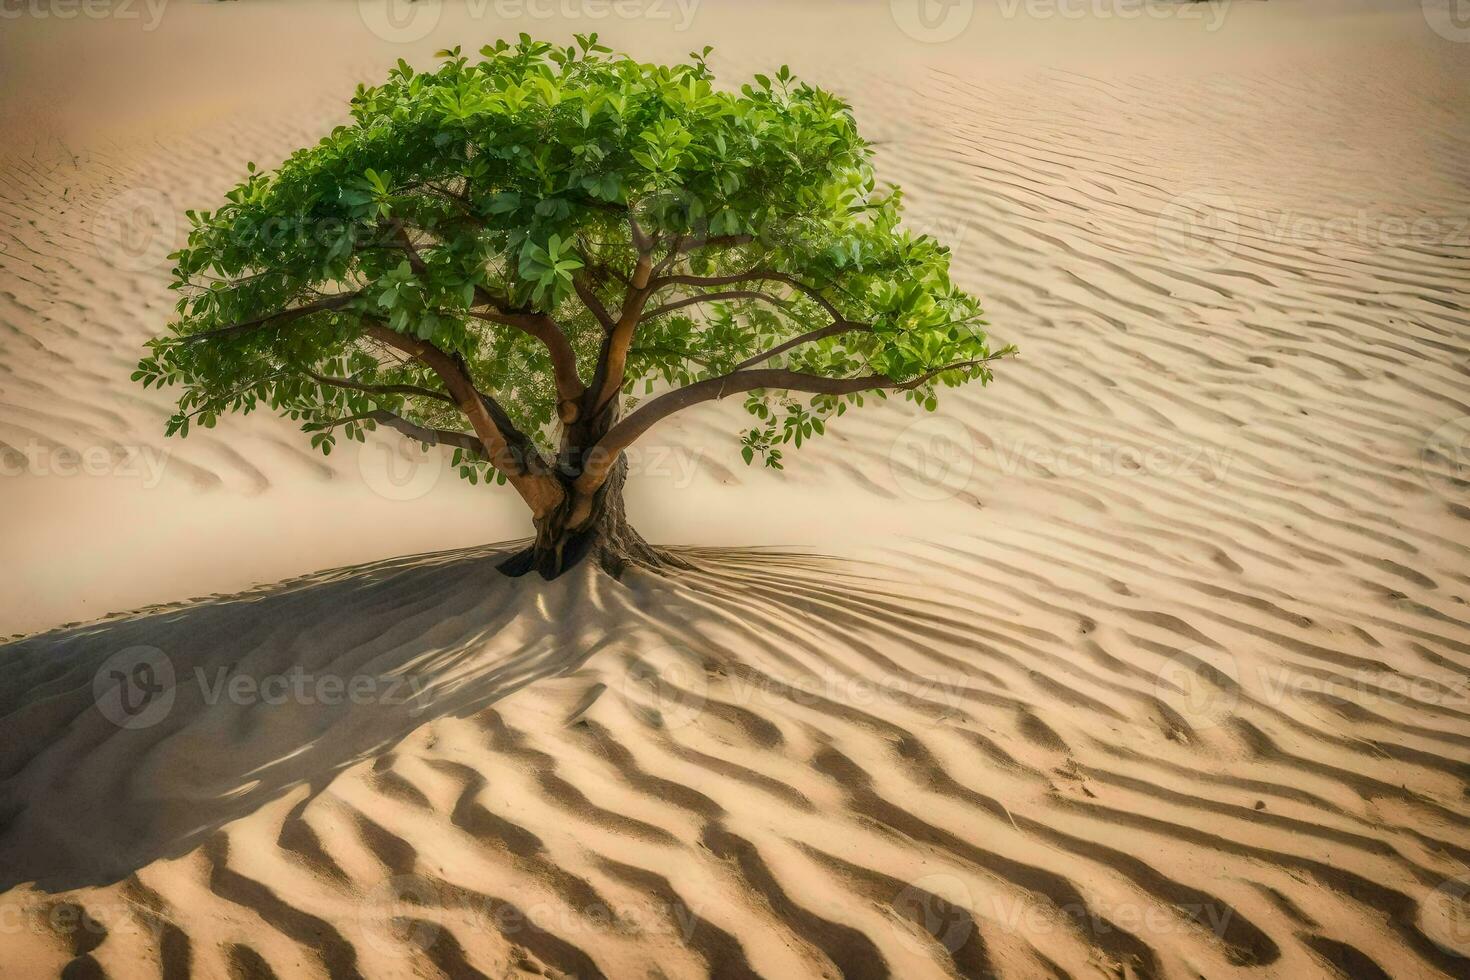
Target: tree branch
x=831, y=330
x=410, y=390
x=680, y=304
x=415, y=261
x=693, y=243
x=624, y=433
x=690, y=244
x=569, y=387
x=526, y=471
x=519, y=442
x=433, y=437
x=754, y=275
x=277, y=319
x=613, y=359
x=668, y=352
x=588, y=295
x=541, y=326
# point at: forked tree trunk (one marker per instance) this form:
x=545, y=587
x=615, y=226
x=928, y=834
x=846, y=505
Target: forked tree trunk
x=605, y=537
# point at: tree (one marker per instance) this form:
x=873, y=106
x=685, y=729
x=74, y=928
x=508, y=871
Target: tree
x=496, y=256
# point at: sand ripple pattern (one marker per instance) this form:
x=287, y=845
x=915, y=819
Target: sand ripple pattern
x=1169, y=681
x=780, y=765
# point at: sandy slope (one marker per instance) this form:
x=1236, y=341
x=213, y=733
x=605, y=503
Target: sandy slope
x=1152, y=660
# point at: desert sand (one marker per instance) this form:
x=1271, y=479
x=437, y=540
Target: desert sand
x=1150, y=660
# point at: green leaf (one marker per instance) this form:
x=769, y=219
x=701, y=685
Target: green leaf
x=509, y=174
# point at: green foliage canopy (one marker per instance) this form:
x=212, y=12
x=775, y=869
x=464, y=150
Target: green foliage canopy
x=562, y=229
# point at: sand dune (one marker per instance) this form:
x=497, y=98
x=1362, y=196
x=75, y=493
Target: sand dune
x=779, y=765
x=1152, y=660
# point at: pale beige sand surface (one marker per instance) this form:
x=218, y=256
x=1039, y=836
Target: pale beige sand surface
x=1149, y=661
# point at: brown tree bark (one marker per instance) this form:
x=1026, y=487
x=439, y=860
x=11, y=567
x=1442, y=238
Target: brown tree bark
x=591, y=522
x=594, y=529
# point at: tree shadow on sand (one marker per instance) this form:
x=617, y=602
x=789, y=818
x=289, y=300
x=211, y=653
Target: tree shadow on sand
x=134, y=739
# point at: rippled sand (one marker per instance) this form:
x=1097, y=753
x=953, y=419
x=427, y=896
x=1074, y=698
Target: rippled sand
x=1152, y=660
